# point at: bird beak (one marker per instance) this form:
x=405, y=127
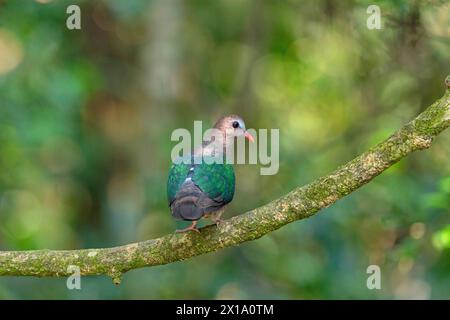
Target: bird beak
x=249, y=136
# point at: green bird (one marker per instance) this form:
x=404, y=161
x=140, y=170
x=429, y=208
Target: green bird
x=198, y=185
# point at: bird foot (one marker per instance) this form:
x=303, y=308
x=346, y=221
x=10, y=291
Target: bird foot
x=218, y=221
x=192, y=227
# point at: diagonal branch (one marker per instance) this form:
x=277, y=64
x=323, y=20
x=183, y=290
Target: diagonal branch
x=300, y=203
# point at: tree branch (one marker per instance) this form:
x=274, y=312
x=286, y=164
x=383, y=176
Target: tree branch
x=300, y=203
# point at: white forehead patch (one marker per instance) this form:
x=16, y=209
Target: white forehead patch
x=241, y=123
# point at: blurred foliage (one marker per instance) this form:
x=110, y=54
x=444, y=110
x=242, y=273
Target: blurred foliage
x=86, y=117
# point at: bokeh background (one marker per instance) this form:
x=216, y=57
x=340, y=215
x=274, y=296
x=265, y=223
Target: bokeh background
x=86, y=117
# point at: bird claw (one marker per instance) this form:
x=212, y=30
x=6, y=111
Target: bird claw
x=192, y=227
x=218, y=221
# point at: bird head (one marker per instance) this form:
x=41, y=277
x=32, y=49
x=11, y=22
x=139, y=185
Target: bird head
x=233, y=126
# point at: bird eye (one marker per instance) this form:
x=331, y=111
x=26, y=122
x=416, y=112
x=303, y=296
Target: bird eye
x=235, y=124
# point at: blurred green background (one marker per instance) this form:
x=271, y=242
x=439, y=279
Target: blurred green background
x=86, y=117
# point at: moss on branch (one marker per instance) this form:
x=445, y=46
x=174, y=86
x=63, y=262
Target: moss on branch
x=300, y=203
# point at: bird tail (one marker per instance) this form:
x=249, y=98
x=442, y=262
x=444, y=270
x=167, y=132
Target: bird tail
x=186, y=209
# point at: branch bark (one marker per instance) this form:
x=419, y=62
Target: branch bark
x=300, y=203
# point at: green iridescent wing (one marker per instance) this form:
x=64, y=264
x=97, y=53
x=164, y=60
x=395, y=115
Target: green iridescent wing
x=216, y=180
x=177, y=175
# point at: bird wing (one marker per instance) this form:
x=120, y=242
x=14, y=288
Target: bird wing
x=195, y=189
x=177, y=175
x=216, y=180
